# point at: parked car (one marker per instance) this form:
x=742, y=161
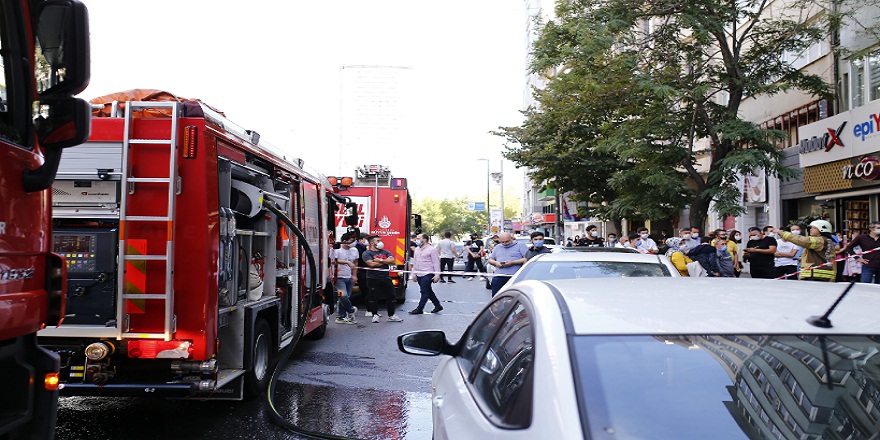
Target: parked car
x=461, y=262
x=594, y=264
x=672, y=358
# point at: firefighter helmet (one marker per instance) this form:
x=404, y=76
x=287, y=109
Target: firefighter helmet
x=821, y=225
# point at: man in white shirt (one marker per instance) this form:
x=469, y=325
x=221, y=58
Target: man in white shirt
x=448, y=254
x=346, y=275
x=645, y=244
x=784, y=256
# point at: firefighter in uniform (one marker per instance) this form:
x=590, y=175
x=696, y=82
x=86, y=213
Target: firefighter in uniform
x=818, y=250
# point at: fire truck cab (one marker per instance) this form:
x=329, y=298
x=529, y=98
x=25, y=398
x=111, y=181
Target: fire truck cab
x=187, y=239
x=43, y=64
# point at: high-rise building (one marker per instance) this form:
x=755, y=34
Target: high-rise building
x=375, y=115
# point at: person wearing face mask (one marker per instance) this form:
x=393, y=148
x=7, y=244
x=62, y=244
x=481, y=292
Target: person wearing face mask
x=592, y=238
x=870, y=262
x=612, y=240
x=537, y=248
x=732, y=248
x=760, y=251
x=379, y=281
x=818, y=252
x=785, y=255
x=346, y=275
x=426, y=270
x=507, y=258
x=646, y=245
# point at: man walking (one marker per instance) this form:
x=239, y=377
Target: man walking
x=760, y=251
x=448, y=254
x=379, y=281
x=870, y=262
x=426, y=269
x=507, y=257
x=474, y=248
x=346, y=275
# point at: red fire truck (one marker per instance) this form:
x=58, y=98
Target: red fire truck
x=384, y=208
x=195, y=250
x=38, y=117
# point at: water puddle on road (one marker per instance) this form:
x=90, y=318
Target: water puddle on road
x=356, y=413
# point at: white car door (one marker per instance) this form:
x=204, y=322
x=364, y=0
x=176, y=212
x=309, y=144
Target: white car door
x=486, y=391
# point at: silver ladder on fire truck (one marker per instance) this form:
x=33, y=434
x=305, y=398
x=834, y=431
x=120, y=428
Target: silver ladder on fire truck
x=133, y=252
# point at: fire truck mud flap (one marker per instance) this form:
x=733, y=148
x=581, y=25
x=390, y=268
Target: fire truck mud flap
x=128, y=390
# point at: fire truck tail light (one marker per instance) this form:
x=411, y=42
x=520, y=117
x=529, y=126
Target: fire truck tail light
x=333, y=181
x=157, y=349
x=396, y=198
x=190, y=140
x=346, y=181
x=50, y=381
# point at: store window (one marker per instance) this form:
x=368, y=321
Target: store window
x=858, y=82
x=874, y=76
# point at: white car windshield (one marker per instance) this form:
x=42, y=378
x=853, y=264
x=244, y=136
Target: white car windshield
x=556, y=270
x=729, y=386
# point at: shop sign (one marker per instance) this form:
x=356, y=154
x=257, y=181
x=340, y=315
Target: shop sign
x=847, y=135
x=867, y=169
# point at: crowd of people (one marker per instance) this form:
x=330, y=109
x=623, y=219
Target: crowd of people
x=813, y=252
x=810, y=252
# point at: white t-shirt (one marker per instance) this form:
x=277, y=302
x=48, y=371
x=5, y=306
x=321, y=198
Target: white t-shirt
x=351, y=254
x=785, y=246
x=445, y=246
x=646, y=245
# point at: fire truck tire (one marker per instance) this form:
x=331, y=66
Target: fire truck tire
x=257, y=377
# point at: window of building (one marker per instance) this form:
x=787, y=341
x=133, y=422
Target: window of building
x=858, y=82
x=874, y=76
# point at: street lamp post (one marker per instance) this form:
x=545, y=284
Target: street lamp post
x=488, y=215
x=499, y=178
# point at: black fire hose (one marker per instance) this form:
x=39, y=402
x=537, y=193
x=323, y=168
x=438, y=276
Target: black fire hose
x=313, y=270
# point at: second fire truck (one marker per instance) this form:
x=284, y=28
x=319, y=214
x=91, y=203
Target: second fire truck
x=196, y=251
x=384, y=208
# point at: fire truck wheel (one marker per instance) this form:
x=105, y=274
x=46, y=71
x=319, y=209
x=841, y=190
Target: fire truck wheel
x=257, y=377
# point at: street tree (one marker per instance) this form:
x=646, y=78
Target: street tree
x=442, y=215
x=648, y=89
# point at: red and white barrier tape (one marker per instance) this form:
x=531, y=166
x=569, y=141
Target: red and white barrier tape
x=830, y=263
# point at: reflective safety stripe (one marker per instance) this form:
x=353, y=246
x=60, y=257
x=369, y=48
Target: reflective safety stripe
x=826, y=274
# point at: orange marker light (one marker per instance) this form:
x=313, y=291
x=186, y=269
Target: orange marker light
x=333, y=181
x=347, y=181
x=396, y=198
x=51, y=381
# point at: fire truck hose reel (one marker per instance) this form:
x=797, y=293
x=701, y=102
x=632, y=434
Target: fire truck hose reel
x=313, y=269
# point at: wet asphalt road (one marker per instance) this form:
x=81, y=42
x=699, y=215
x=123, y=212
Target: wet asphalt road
x=353, y=383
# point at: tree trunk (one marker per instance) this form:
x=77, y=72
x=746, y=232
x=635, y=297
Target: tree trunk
x=699, y=212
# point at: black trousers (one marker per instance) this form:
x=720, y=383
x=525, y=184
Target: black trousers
x=446, y=266
x=766, y=272
x=785, y=270
x=381, y=288
x=470, y=264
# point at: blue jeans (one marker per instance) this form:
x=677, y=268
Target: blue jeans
x=870, y=274
x=498, y=283
x=344, y=285
x=427, y=291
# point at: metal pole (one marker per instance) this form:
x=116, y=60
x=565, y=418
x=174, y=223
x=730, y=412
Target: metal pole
x=502, y=195
x=488, y=213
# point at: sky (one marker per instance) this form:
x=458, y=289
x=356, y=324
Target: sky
x=273, y=67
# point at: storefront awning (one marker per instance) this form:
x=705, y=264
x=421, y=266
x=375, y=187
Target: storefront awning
x=844, y=195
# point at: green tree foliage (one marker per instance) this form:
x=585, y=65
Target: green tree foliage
x=637, y=88
x=441, y=215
